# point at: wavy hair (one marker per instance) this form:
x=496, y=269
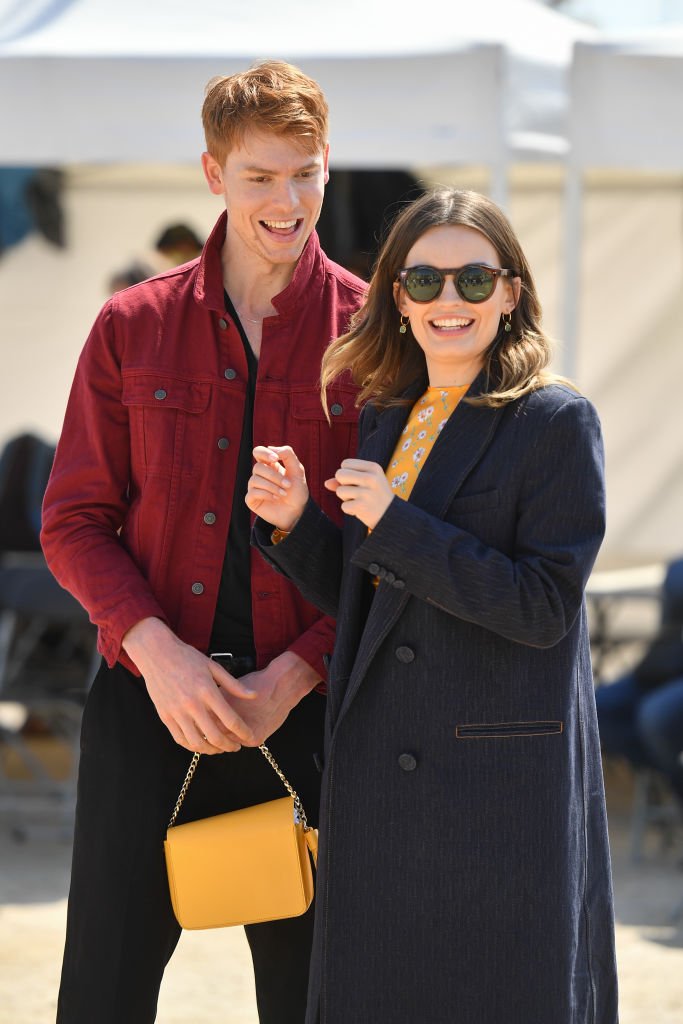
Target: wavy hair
x=383, y=362
x=272, y=97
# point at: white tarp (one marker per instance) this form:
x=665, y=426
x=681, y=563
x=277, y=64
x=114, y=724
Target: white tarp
x=443, y=82
x=625, y=112
x=627, y=104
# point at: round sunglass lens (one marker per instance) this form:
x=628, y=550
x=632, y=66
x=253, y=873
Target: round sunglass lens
x=476, y=283
x=422, y=284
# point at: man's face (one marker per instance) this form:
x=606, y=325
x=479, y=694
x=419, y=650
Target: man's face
x=273, y=191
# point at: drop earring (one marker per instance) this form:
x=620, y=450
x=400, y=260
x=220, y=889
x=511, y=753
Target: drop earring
x=404, y=324
x=507, y=324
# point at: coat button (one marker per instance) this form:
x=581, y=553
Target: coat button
x=160, y=395
x=223, y=443
x=197, y=588
x=209, y=518
x=229, y=374
x=398, y=584
x=389, y=577
x=405, y=654
x=222, y=323
x=373, y=568
x=407, y=762
x=336, y=409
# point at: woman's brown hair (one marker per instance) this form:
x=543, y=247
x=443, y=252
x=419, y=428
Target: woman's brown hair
x=384, y=362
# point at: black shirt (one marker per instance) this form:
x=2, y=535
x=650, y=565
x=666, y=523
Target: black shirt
x=233, y=627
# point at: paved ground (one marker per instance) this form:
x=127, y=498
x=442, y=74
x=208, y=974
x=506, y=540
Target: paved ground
x=208, y=981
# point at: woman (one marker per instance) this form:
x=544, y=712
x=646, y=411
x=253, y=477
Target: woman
x=464, y=870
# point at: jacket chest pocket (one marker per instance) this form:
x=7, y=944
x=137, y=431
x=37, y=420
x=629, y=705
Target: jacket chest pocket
x=326, y=443
x=503, y=730
x=168, y=429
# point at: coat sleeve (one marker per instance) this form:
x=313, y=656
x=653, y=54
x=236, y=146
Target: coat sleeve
x=533, y=595
x=311, y=556
x=86, y=499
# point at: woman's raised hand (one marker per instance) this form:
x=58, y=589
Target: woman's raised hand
x=363, y=490
x=277, y=490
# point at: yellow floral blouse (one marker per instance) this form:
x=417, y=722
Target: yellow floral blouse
x=427, y=419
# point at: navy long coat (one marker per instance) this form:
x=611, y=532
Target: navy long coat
x=464, y=866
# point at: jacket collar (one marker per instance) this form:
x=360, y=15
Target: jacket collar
x=208, y=289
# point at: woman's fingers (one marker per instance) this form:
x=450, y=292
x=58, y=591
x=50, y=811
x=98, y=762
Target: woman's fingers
x=270, y=479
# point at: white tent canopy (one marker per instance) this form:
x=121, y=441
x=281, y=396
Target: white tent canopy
x=448, y=82
x=625, y=113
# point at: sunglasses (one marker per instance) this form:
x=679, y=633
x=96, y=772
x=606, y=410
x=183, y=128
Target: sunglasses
x=473, y=283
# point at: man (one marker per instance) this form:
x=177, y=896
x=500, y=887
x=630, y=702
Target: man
x=145, y=523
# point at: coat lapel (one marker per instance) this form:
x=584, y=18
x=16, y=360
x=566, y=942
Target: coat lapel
x=456, y=452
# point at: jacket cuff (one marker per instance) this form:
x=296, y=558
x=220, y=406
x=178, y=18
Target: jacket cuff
x=111, y=636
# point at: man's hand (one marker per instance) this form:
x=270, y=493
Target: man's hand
x=277, y=489
x=193, y=695
x=363, y=490
x=279, y=687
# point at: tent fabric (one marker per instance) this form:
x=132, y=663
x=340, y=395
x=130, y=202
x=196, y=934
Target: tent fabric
x=454, y=84
x=626, y=103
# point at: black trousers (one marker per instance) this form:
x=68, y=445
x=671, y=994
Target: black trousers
x=121, y=931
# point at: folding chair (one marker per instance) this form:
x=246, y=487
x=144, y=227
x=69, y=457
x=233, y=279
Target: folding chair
x=47, y=655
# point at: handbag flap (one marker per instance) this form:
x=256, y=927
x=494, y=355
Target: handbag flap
x=242, y=867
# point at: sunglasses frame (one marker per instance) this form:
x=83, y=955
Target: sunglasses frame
x=453, y=272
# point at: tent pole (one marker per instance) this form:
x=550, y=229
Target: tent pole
x=498, y=186
x=568, y=354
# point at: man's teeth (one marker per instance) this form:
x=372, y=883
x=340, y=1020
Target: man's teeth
x=452, y=322
x=280, y=223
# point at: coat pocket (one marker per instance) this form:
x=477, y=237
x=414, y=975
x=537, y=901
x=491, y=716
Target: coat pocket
x=167, y=424
x=504, y=730
x=464, y=504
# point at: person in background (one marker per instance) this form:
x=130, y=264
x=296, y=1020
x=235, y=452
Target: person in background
x=144, y=522
x=464, y=866
x=640, y=715
x=176, y=244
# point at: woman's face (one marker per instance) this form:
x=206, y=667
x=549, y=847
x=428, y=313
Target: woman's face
x=452, y=333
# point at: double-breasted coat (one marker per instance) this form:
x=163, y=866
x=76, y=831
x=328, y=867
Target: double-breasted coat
x=464, y=870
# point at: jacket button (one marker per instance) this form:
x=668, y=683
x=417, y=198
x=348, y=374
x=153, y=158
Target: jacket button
x=229, y=374
x=223, y=443
x=160, y=395
x=373, y=568
x=209, y=518
x=407, y=762
x=399, y=584
x=327, y=658
x=336, y=409
x=405, y=654
x=222, y=323
x=389, y=577
x=197, y=588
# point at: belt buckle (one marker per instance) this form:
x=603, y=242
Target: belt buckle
x=235, y=664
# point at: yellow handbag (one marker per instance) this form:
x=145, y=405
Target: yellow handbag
x=241, y=867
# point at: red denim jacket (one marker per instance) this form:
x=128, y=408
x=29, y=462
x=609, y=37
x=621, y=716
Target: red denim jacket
x=137, y=509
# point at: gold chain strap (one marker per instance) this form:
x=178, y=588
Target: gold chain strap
x=298, y=806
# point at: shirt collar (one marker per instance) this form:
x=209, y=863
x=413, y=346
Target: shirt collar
x=208, y=288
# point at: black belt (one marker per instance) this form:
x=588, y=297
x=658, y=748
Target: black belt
x=236, y=664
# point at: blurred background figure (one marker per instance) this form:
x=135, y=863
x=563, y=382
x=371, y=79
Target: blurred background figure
x=640, y=715
x=31, y=200
x=177, y=243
